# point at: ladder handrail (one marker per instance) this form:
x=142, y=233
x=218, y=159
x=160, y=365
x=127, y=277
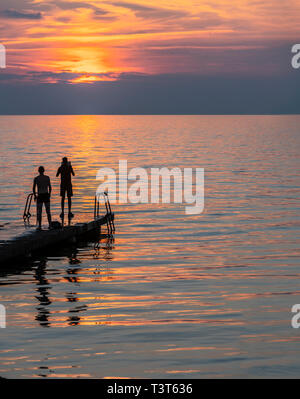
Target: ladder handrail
x=27, y=214
x=109, y=215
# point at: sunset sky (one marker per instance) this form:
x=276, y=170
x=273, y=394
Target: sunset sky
x=53, y=45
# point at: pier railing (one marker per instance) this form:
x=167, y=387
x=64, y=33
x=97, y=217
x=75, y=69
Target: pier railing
x=108, y=212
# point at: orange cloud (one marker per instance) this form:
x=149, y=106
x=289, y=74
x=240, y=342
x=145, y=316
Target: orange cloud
x=90, y=37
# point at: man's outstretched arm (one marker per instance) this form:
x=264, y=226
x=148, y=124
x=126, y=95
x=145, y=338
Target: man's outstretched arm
x=58, y=172
x=72, y=171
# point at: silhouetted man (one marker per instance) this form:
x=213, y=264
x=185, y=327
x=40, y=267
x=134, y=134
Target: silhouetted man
x=42, y=182
x=66, y=171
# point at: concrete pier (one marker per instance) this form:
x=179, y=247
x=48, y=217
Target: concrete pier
x=26, y=245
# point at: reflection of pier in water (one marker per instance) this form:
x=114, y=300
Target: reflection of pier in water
x=102, y=251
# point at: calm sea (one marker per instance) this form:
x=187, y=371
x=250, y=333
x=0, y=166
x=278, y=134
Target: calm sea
x=173, y=295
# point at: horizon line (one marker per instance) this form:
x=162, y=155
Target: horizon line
x=157, y=114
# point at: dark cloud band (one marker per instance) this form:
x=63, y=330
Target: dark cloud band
x=14, y=14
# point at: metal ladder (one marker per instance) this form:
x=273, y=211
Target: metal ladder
x=109, y=215
x=27, y=214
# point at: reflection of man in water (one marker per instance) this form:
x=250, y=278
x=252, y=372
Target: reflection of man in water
x=43, y=288
x=42, y=182
x=66, y=171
